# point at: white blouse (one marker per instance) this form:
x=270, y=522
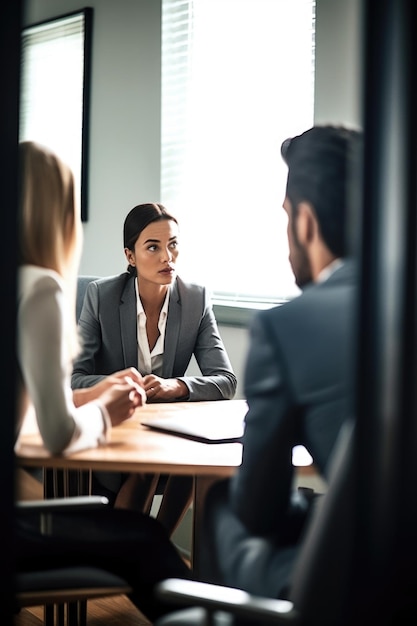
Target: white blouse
x=45, y=364
x=151, y=362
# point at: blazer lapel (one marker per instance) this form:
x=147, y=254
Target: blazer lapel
x=128, y=324
x=172, y=331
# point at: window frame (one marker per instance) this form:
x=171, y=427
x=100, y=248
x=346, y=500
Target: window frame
x=239, y=315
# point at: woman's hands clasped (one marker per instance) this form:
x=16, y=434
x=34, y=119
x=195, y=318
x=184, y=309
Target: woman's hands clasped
x=164, y=389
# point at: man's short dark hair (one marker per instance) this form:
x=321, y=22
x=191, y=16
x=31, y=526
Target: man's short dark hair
x=322, y=166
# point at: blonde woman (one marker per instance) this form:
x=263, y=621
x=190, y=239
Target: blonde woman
x=128, y=543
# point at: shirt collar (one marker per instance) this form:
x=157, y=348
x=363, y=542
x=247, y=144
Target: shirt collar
x=330, y=269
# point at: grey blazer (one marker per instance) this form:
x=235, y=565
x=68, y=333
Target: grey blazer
x=108, y=327
x=299, y=385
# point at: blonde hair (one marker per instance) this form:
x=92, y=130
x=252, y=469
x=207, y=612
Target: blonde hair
x=49, y=224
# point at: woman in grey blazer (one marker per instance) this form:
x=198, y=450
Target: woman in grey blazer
x=148, y=318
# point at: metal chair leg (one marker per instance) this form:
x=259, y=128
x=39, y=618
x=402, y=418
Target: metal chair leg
x=60, y=614
x=77, y=613
x=49, y=615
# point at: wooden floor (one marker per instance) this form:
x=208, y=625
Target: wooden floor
x=115, y=611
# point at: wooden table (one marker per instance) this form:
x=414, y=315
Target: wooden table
x=136, y=448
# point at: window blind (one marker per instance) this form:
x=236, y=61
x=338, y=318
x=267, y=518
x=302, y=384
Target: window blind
x=237, y=79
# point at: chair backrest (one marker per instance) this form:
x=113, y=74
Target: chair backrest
x=322, y=575
x=82, y=284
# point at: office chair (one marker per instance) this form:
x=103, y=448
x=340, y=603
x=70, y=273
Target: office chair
x=320, y=583
x=82, y=283
x=64, y=591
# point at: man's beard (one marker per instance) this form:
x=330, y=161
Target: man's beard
x=301, y=265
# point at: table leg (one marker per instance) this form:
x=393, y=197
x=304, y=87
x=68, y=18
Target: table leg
x=201, y=485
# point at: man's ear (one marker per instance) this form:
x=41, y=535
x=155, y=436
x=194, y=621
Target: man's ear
x=306, y=224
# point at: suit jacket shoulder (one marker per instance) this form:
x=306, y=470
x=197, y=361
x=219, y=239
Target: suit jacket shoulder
x=113, y=284
x=337, y=289
x=189, y=293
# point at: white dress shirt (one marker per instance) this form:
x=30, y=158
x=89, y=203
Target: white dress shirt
x=151, y=362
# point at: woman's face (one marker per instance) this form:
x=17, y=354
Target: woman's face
x=155, y=253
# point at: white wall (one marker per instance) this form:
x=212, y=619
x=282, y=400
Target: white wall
x=338, y=62
x=124, y=160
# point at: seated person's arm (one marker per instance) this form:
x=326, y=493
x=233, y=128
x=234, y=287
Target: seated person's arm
x=260, y=491
x=218, y=381
x=88, y=394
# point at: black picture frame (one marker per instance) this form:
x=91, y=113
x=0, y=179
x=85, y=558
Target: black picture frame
x=87, y=16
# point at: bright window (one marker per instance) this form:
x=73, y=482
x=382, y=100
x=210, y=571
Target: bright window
x=237, y=79
x=55, y=90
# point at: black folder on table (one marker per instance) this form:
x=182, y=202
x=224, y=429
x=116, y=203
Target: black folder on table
x=204, y=428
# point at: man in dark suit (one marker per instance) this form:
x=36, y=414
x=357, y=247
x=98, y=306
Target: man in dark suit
x=299, y=374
